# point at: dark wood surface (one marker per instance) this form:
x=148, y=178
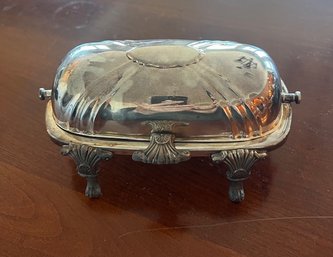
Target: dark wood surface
x=180, y=210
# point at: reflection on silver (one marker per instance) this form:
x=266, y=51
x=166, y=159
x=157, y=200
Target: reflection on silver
x=105, y=89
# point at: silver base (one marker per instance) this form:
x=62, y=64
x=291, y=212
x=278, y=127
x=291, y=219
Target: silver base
x=162, y=148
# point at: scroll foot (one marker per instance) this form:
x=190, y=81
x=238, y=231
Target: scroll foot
x=239, y=163
x=87, y=159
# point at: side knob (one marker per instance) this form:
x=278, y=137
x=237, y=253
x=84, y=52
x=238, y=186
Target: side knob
x=292, y=97
x=44, y=93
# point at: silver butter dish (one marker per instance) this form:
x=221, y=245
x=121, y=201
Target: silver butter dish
x=163, y=101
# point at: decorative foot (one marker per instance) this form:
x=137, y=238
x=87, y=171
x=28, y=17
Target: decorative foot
x=161, y=148
x=87, y=159
x=239, y=163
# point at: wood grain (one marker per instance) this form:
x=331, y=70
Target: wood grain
x=177, y=210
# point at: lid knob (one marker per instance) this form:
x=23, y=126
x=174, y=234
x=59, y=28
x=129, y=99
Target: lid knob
x=292, y=97
x=44, y=93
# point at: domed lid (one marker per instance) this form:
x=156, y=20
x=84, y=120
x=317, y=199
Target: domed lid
x=223, y=90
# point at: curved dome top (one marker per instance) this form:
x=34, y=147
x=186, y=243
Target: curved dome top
x=108, y=88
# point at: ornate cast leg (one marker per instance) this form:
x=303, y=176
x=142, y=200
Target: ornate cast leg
x=161, y=148
x=87, y=159
x=239, y=163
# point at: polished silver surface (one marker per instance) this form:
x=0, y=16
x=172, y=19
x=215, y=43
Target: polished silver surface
x=226, y=91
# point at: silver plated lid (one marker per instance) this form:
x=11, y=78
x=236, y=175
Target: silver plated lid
x=222, y=90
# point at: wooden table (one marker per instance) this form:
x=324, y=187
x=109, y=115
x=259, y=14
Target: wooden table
x=169, y=211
